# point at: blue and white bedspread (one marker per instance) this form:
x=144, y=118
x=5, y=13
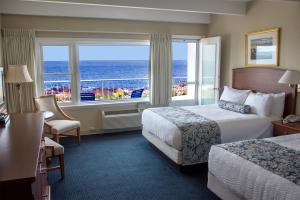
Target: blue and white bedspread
x=280, y=160
x=259, y=169
x=198, y=133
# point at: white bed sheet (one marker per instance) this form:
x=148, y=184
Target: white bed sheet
x=234, y=126
x=250, y=180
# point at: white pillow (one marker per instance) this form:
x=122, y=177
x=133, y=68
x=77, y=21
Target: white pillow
x=278, y=101
x=234, y=95
x=261, y=104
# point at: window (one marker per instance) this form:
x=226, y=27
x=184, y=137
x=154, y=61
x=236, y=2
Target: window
x=114, y=71
x=56, y=71
x=184, y=69
x=98, y=71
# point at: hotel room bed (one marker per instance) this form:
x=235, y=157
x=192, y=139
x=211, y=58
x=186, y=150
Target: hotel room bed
x=162, y=128
x=233, y=127
x=232, y=124
x=256, y=169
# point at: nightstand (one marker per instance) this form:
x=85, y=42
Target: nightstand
x=285, y=129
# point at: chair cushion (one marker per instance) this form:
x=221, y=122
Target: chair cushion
x=60, y=126
x=58, y=149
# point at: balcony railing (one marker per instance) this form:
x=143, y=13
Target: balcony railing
x=109, y=89
x=114, y=89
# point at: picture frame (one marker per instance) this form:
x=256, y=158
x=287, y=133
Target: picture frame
x=262, y=48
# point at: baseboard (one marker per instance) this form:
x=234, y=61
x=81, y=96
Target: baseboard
x=107, y=131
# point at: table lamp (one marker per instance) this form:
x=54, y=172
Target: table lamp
x=18, y=74
x=291, y=77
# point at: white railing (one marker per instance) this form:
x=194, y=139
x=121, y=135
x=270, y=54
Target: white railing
x=107, y=88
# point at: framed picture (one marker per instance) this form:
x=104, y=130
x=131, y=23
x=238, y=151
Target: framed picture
x=262, y=48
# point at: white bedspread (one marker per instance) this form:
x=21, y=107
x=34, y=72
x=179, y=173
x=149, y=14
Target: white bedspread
x=250, y=180
x=234, y=126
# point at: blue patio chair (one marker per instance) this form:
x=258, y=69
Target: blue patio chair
x=137, y=93
x=89, y=96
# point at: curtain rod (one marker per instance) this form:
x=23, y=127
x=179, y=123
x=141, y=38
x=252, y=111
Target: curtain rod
x=110, y=32
x=186, y=36
x=105, y=32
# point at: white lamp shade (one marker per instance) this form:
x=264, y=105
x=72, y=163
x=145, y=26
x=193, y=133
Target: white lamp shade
x=290, y=77
x=17, y=74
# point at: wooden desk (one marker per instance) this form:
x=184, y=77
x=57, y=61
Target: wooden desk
x=23, y=172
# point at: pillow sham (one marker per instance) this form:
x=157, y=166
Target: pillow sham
x=235, y=107
x=234, y=95
x=260, y=103
x=278, y=101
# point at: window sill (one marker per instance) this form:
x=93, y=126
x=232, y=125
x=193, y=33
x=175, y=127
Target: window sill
x=104, y=104
x=183, y=102
x=182, y=98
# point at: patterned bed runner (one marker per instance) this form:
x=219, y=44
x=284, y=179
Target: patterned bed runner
x=280, y=160
x=198, y=133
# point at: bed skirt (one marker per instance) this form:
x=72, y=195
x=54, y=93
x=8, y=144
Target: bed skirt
x=220, y=189
x=169, y=151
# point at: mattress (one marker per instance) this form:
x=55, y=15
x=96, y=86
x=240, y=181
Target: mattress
x=249, y=180
x=234, y=126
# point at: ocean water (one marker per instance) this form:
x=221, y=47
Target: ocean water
x=106, y=69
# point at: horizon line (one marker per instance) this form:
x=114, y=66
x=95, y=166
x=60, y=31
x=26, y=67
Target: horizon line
x=102, y=60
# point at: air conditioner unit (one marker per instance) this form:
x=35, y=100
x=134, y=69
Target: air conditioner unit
x=121, y=119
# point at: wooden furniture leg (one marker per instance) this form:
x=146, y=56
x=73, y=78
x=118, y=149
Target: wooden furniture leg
x=54, y=149
x=62, y=166
x=56, y=138
x=78, y=135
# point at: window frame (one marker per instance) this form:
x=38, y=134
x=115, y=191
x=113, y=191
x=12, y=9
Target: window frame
x=73, y=44
x=177, y=101
x=40, y=68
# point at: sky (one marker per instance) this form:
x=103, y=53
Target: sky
x=92, y=52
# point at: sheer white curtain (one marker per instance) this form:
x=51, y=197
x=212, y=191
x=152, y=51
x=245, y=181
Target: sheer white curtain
x=160, y=68
x=19, y=49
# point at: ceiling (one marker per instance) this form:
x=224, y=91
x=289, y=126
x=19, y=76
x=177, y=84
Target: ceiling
x=187, y=11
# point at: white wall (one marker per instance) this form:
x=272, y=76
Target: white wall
x=90, y=115
x=260, y=15
x=72, y=25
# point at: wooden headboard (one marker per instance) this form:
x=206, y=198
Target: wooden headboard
x=261, y=79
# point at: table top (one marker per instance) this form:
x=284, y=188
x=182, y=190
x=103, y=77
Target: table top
x=20, y=144
x=290, y=125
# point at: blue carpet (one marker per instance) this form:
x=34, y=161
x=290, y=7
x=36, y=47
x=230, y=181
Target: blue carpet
x=123, y=166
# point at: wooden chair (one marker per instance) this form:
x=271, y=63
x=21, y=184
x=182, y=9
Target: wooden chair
x=54, y=149
x=60, y=123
